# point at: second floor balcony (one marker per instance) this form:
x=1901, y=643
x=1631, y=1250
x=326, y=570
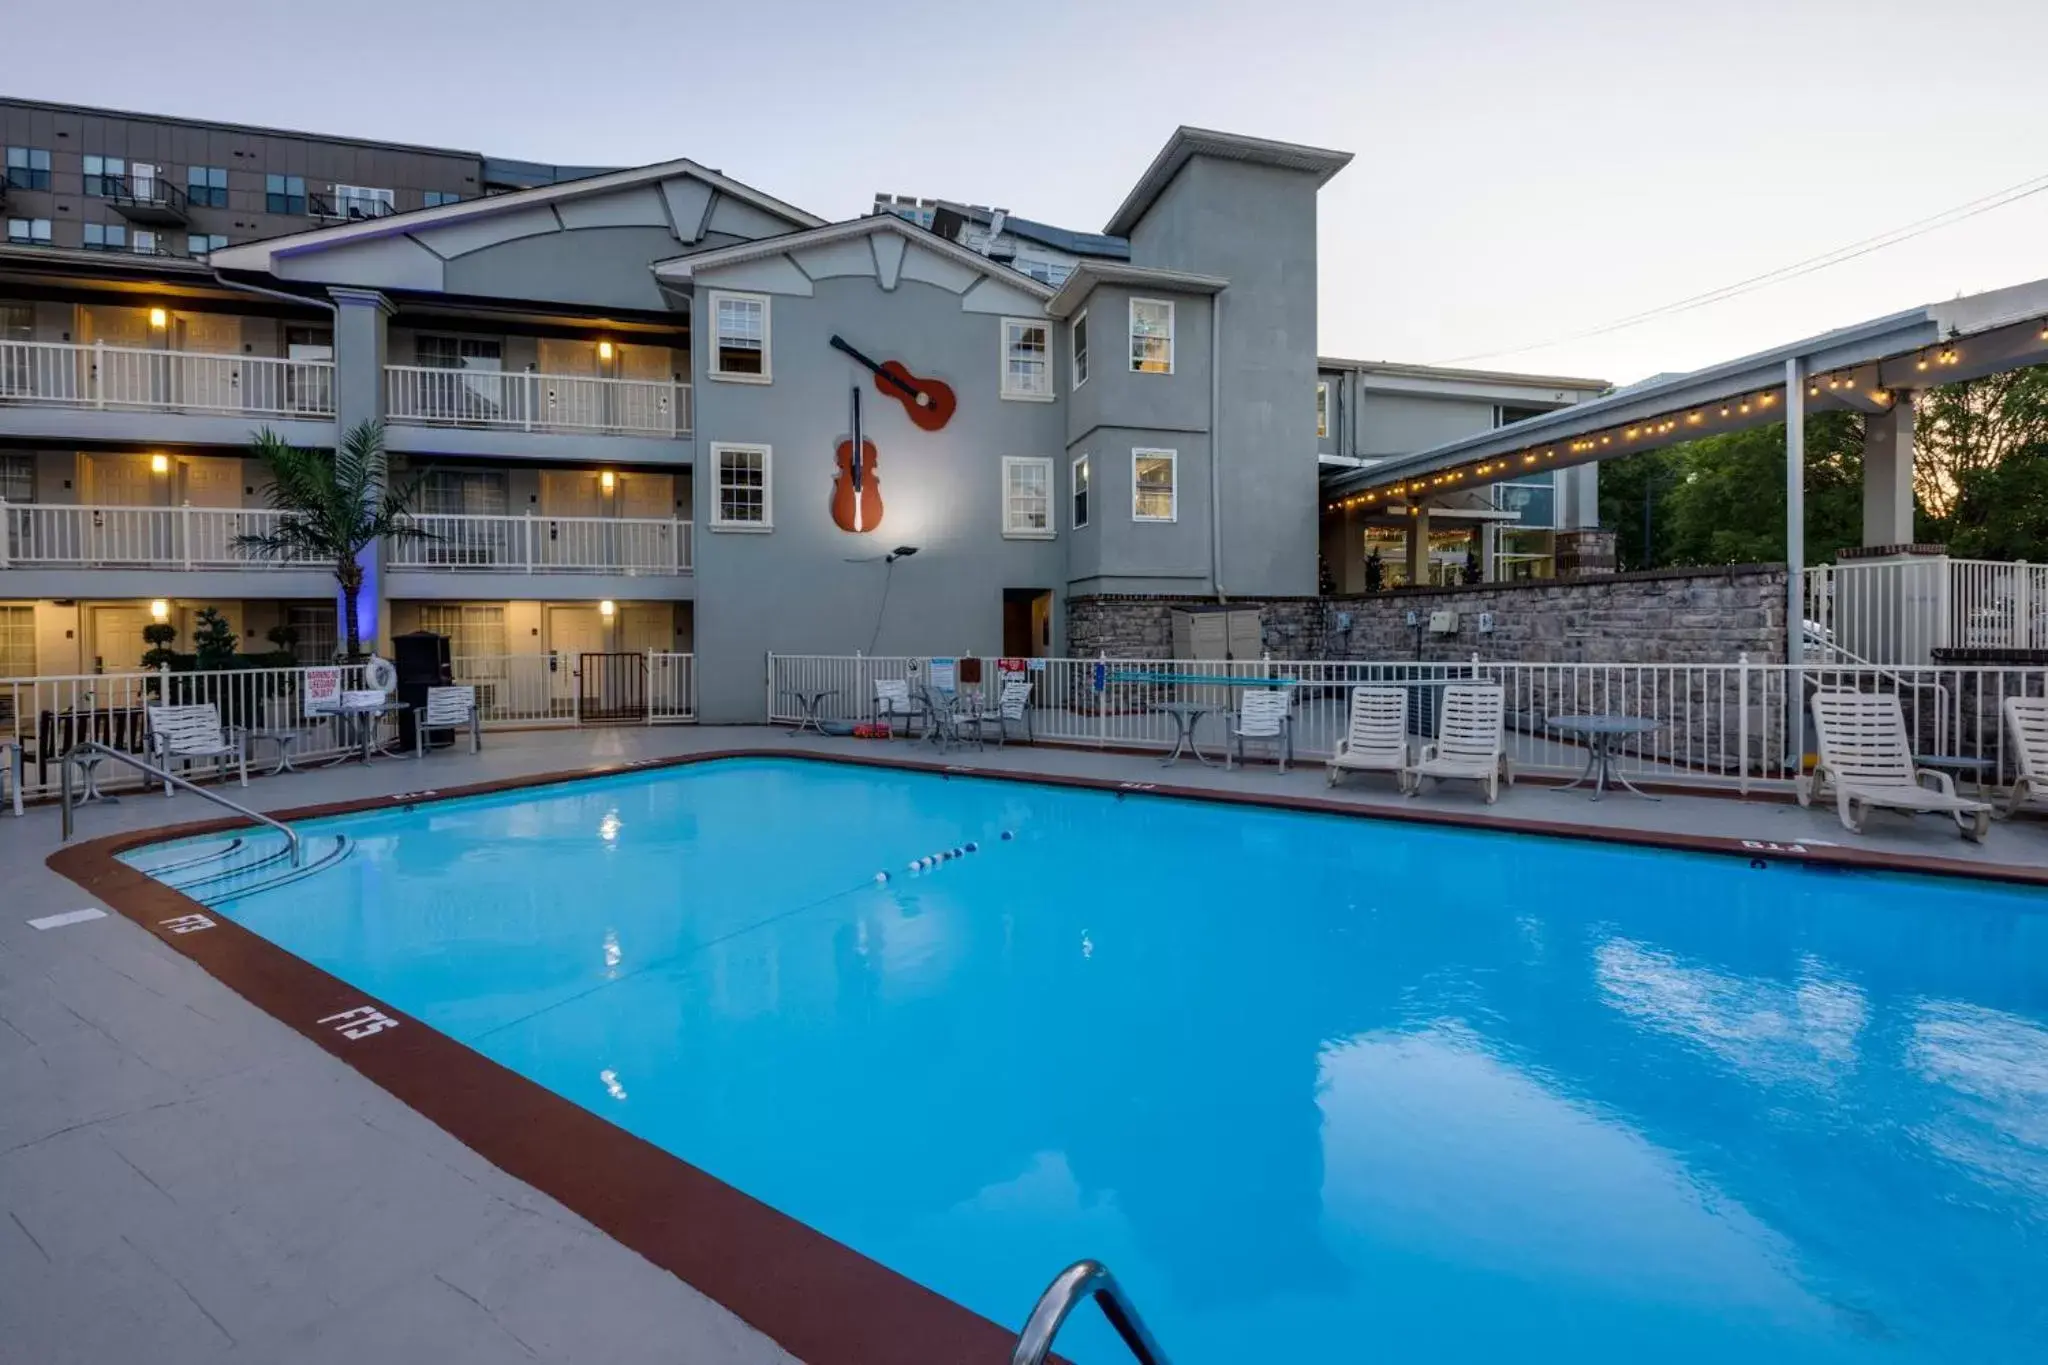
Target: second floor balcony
x=136, y=379
x=463, y=543
x=46, y=536
x=496, y=400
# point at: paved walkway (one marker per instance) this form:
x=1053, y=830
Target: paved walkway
x=182, y=1179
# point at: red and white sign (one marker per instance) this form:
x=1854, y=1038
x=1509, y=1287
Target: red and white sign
x=1012, y=665
x=323, y=689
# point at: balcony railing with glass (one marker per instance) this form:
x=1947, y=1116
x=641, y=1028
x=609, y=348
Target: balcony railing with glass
x=143, y=198
x=64, y=375
x=37, y=535
x=501, y=401
x=464, y=543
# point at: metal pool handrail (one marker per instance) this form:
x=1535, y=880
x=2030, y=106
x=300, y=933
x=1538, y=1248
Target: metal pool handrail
x=1068, y=1288
x=93, y=746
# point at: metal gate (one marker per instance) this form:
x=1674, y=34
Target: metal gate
x=612, y=687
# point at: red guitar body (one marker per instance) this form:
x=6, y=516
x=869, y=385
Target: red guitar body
x=857, y=508
x=930, y=407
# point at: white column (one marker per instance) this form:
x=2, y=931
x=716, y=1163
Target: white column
x=360, y=340
x=1418, y=546
x=1888, y=474
x=1795, y=512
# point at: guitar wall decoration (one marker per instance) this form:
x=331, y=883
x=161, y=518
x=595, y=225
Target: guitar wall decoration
x=929, y=402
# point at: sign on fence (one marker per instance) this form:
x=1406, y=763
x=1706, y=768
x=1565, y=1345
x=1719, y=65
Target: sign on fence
x=323, y=689
x=944, y=675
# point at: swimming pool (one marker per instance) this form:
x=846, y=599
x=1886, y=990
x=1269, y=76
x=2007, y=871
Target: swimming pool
x=1314, y=1087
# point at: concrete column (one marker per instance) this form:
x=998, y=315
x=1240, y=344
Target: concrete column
x=1418, y=546
x=1489, y=546
x=361, y=343
x=1888, y=474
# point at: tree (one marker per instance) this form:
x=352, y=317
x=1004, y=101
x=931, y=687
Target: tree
x=333, y=507
x=1964, y=431
x=213, y=640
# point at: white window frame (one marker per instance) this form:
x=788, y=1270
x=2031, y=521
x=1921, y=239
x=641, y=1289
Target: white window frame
x=1081, y=482
x=1132, y=333
x=1173, y=462
x=1077, y=350
x=1322, y=409
x=719, y=450
x=1052, y=495
x=1016, y=395
x=713, y=299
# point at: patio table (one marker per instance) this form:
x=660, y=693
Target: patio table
x=1601, y=733
x=810, y=699
x=1186, y=714
x=1977, y=769
x=365, y=720
x=11, y=771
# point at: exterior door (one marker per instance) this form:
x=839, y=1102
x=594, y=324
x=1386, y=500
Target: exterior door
x=647, y=495
x=646, y=626
x=117, y=642
x=210, y=484
x=572, y=633
x=128, y=526
x=577, y=543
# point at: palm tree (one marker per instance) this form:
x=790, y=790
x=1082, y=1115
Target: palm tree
x=333, y=507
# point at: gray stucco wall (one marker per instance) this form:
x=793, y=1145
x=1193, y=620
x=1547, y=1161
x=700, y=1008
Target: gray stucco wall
x=1400, y=424
x=1119, y=553
x=603, y=267
x=793, y=589
x=1256, y=227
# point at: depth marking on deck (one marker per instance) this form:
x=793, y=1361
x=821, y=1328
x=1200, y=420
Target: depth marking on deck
x=360, y=1022
x=187, y=924
x=68, y=917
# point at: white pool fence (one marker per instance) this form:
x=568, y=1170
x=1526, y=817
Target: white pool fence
x=1740, y=725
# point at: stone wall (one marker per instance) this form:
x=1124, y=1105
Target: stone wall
x=1661, y=616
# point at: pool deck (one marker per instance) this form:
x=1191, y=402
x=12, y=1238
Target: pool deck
x=183, y=1178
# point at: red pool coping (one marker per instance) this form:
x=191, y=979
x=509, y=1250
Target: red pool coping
x=822, y=1301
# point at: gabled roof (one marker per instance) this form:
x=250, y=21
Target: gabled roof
x=1088, y=274
x=685, y=267
x=259, y=255
x=1396, y=369
x=1188, y=143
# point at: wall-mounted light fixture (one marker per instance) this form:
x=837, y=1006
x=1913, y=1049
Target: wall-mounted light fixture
x=900, y=552
x=159, y=610
x=605, y=609
x=159, y=319
x=159, y=464
x=607, y=481
x=604, y=351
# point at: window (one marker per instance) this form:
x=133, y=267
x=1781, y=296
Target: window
x=739, y=347
x=17, y=478
x=199, y=243
x=1027, y=497
x=315, y=623
x=363, y=201
x=1080, y=338
x=436, y=198
x=1152, y=485
x=474, y=632
x=34, y=231
x=206, y=187
x=284, y=194
x=17, y=642
x=1152, y=336
x=106, y=237
x=143, y=243
x=744, y=501
x=458, y=353
x=105, y=176
x=1535, y=499
x=1080, y=491
x=28, y=168
x=1027, y=359
x=465, y=492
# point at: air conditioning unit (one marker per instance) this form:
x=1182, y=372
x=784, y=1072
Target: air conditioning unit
x=1443, y=623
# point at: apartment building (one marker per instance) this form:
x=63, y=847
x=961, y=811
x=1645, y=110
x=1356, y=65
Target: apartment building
x=632, y=398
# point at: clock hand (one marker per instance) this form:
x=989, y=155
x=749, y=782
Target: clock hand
x=924, y=400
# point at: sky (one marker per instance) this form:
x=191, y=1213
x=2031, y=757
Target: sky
x=1524, y=171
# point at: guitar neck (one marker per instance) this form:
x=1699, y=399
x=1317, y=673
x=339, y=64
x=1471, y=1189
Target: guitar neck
x=907, y=389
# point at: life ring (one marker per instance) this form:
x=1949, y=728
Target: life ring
x=380, y=673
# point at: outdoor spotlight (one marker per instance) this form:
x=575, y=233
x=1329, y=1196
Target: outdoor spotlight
x=607, y=481
x=159, y=464
x=900, y=552
x=159, y=319
x=604, y=350
x=605, y=609
x=159, y=610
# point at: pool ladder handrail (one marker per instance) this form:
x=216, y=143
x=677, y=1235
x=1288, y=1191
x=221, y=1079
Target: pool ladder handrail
x=93, y=746
x=1063, y=1295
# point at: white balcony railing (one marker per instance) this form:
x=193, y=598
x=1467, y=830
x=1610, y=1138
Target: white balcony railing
x=56, y=374
x=501, y=401
x=541, y=544
x=98, y=537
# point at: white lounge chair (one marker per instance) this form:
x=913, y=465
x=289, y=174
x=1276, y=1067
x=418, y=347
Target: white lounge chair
x=1469, y=741
x=1262, y=715
x=2026, y=723
x=446, y=708
x=190, y=733
x=1012, y=703
x=1867, y=758
x=893, y=701
x=1376, y=741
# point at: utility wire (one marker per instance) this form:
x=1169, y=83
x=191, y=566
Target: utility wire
x=1934, y=222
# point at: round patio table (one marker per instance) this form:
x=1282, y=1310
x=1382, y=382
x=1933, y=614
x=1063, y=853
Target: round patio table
x=1601, y=733
x=1185, y=715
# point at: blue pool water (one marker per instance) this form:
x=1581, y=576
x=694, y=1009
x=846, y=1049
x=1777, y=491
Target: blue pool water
x=1316, y=1088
